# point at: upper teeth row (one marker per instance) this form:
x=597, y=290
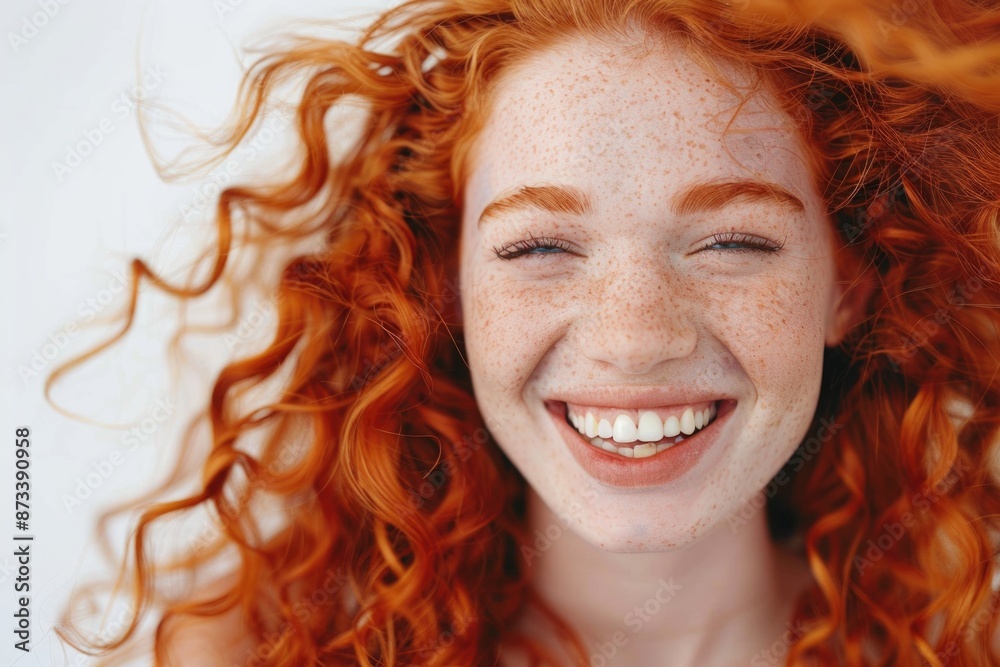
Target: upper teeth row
x=649, y=429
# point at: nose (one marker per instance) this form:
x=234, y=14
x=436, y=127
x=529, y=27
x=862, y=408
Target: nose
x=639, y=317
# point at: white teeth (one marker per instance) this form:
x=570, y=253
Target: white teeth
x=687, y=422
x=624, y=430
x=650, y=427
x=644, y=450
x=604, y=434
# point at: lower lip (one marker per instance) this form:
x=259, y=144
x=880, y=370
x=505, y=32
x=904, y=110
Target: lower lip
x=661, y=468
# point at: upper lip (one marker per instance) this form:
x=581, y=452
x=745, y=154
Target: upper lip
x=636, y=398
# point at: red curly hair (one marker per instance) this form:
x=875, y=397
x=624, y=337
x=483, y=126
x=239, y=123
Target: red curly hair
x=396, y=504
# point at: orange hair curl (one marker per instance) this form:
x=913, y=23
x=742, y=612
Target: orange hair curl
x=386, y=477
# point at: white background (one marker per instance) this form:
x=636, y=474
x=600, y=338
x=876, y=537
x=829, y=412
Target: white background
x=67, y=234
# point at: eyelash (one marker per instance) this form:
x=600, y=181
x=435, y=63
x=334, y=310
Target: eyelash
x=514, y=250
x=532, y=243
x=752, y=243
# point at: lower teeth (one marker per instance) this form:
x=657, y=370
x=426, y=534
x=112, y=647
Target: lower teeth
x=645, y=449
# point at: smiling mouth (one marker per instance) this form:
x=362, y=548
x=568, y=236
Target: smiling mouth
x=641, y=433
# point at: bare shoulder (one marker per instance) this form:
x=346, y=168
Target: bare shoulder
x=208, y=642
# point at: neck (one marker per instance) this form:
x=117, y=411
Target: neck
x=732, y=588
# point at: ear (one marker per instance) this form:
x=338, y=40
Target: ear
x=852, y=292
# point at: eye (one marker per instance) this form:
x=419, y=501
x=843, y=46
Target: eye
x=740, y=242
x=532, y=245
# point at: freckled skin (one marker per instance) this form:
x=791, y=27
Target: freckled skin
x=637, y=301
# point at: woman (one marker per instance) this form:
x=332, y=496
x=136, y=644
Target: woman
x=598, y=284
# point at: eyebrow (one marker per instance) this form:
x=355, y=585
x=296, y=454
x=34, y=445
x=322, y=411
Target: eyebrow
x=705, y=196
x=554, y=198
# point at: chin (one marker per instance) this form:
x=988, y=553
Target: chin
x=646, y=536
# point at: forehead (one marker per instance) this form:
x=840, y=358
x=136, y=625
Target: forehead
x=615, y=118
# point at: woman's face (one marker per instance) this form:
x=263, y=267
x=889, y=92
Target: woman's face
x=620, y=290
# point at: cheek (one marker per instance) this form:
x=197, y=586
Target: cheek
x=777, y=334
x=509, y=326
